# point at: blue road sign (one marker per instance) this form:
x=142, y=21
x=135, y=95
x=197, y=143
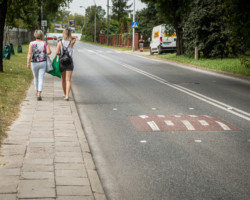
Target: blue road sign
x=134, y=24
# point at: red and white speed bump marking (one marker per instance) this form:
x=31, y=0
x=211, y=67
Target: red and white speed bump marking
x=164, y=123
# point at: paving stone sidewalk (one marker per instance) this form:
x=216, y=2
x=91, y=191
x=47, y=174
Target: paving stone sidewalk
x=46, y=154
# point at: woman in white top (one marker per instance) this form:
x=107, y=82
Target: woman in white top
x=66, y=70
x=37, y=56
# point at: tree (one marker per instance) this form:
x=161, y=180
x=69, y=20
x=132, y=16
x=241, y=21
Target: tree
x=120, y=9
x=205, y=28
x=3, y=11
x=147, y=19
x=237, y=18
x=90, y=26
x=172, y=11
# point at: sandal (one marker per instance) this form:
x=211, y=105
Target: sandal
x=39, y=98
x=66, y=98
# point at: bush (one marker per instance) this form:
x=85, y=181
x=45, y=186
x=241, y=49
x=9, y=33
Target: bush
x=205, y=29
x=244, y=61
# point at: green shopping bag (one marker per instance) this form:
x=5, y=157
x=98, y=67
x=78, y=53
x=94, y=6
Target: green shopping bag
x=56, y=66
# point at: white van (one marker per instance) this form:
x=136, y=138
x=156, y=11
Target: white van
x=161, y=41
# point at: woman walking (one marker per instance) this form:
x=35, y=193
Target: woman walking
x=37, y=57
x=65, y=47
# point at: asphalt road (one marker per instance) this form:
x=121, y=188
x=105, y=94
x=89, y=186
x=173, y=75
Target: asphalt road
x=160, y=131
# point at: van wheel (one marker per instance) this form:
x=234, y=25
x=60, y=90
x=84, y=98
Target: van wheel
x=159, y=50
x=151, y=53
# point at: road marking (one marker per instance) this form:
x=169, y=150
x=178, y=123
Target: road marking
x=114, y=108
x=143, y=116
x=143, y=141
x=183, y=123
x=218, y=104
x=177, y=115
x=223, y=126
x=169, y=123
x=198, y=141
x=153, y=126
x=203, y=123
x=188, y=125
x=191, y=108
x=154, y=108
x=161, y=116
x=193, y=115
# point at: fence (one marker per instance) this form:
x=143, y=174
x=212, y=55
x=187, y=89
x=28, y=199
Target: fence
x=118, y=41
x=12, y=36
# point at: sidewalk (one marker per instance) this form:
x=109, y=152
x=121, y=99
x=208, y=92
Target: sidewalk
x=46, y=154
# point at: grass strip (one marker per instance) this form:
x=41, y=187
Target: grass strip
x=14, y=82
x=231, y=65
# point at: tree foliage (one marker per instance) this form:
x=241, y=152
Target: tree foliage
x=120, y=9
x=173, y=12
x=90, y=26
x=237, y=18
x=205, y=28
x=147, y=19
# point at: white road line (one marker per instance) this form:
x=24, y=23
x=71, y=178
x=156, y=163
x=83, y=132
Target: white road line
x=203, y=122
x=161, y=116
x=169, y=123
x=153, y=126
x=218, y=104
x=198, y=141
x=192, y=115
x=223, y=126
x=177, y=115
x=188, y=125
x=143, y=116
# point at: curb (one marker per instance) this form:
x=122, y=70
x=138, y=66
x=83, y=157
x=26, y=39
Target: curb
x=93, y=176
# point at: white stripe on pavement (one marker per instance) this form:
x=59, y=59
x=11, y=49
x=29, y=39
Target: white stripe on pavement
x=223, y=126
x=188, y=125
x=203, y=122
x=143, y=116
x=169, y=123
x=153, y=126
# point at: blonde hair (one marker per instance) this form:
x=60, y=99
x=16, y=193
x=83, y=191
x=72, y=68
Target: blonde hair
x=38, y=34
x=67, y=34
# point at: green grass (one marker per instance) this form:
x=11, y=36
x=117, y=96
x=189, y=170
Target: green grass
x=14, y=82
x=231, y=65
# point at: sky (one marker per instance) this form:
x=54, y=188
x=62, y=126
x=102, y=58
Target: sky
x=74, y=7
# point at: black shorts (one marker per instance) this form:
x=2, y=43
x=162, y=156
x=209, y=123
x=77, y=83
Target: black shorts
x=66, y=68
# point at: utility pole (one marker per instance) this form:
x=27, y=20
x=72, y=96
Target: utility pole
x=95, y=22
x=134, y=28
x=42, y=15
x=107, y=22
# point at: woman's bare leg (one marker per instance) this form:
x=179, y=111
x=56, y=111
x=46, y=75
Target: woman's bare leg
x=68, y=83
x=63, y=76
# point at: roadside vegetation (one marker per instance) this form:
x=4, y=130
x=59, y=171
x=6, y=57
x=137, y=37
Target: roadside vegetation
x=14, y=82
x=231, y=65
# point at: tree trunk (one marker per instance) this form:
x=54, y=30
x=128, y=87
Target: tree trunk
x=3, y=10
x=179, y=42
